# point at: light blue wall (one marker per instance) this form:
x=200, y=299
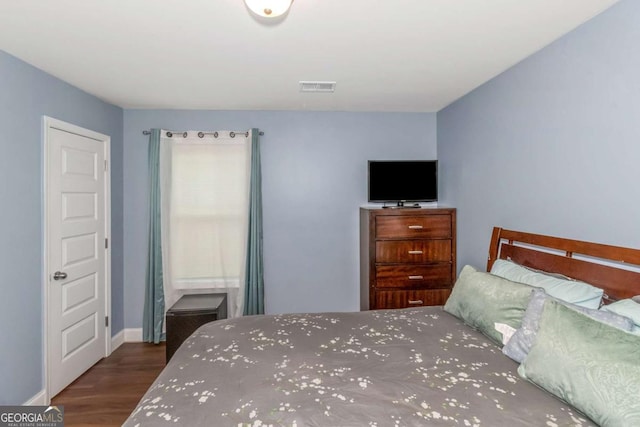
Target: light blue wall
x=549, y=146
x=553, y=144
x=314, y=168
x=26, y=94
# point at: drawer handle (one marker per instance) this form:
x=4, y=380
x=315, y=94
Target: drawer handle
x=415, y=252
x=415, y=301
x=416, y=277
x=416, y=227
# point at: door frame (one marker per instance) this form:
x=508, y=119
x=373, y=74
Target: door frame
x=47, y=124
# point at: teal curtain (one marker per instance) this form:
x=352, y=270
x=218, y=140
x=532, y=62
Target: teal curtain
x=153, y=318
x=254, y=282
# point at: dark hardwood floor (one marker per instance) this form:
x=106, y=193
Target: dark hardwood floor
x=107, y=393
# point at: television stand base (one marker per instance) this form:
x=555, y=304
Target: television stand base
x=401, y=205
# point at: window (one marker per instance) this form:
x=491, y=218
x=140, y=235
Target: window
x=208, y=212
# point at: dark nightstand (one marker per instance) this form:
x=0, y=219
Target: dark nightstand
x=189, y=313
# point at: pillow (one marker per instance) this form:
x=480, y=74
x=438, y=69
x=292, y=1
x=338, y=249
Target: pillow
x=590, y=365
x=572, y=291
x=520, y=343
x=481, y=300
x=628, y=308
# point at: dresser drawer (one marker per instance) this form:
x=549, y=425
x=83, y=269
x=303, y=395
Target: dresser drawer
x=424, y=226
x=414, y=276
x=404, y=299
x=413, y=251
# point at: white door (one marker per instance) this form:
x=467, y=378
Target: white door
x=75, y=251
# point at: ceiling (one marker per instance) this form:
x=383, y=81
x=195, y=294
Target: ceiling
x=399, y=55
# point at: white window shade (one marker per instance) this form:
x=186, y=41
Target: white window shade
x=205, y=205
x=209, y=189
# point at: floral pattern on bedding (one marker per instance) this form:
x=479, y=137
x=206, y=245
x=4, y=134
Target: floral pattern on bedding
x=412, y=367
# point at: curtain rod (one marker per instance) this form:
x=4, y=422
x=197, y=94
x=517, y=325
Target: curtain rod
x=200, y=134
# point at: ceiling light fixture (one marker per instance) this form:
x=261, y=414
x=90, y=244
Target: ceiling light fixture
x=269, y=8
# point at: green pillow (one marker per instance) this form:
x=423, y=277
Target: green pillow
x=590, y=365
x=481, y=300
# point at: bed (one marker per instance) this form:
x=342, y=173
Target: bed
x=416, y=366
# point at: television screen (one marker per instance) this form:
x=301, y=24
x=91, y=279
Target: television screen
x=403, y=180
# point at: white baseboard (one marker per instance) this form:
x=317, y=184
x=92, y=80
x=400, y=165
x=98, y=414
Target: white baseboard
x=126, y=335
x=39, y=399
x=133, y=335
x=117, y=340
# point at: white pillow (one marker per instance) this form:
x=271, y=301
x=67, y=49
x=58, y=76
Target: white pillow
x=573, y=291
x=628, y=308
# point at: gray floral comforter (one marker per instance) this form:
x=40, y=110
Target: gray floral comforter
x=413, y=367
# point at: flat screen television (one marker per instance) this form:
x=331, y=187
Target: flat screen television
x=400, y=181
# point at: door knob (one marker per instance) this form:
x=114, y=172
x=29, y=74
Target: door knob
x=59, y=275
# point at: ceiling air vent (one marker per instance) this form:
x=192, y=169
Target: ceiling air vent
x=309, y=86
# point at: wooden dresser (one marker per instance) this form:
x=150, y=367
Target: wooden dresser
x=407, y=257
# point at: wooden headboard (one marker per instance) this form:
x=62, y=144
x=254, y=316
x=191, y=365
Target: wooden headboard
x=529, y=250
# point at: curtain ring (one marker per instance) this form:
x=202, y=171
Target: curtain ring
x=232, y=134
x=184, y=135
x=215, y=134
x=169, y=134
x=201, y=134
